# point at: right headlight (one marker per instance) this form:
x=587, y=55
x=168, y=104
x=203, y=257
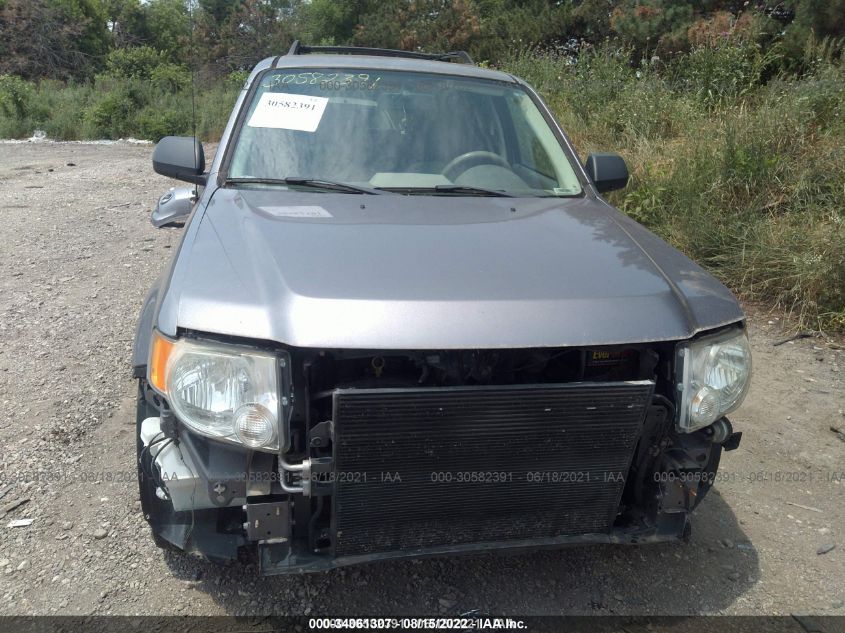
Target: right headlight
x=222, y=391
x=714, y=375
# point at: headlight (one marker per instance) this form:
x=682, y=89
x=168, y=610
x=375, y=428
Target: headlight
x=714, y=374
x=221, y=391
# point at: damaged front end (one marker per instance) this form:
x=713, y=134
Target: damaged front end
x=375, y=454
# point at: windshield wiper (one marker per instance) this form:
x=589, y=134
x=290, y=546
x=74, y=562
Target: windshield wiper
x=461, y=190
x=471, y=191
x=314, y=183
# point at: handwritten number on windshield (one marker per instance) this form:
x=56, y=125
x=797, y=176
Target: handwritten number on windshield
x=326, y=81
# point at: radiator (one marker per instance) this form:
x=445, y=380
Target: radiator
x=422, y=468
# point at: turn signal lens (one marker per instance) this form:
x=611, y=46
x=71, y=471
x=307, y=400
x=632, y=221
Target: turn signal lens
x=255, y=425
x=159, y=355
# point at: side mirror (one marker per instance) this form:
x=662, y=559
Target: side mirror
x=180, y=157
x=607, y=171
x=173, y=207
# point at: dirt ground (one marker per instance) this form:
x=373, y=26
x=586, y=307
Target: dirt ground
x=77, y=254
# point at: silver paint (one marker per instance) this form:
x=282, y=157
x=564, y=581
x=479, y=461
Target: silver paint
x=174, y=206
x=427, y=272
x=435, y=273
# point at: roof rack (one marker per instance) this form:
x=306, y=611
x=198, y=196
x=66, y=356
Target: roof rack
x=461, y=57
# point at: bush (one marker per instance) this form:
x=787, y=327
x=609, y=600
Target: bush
x=16, y=97
x=645, y=108
x=213, y=110
x=237, y=78
x=743, y=177
x=597, y=79
x=137, y=62
x=155, y=123
x=65, y=109
x=719, y=73
x=171, y=78
x=112, y=116
x=19, y=107
x=820, y=95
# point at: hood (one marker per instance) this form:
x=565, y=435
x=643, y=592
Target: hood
x=335, y=270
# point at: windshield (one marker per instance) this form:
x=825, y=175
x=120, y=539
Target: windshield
x=402, y=131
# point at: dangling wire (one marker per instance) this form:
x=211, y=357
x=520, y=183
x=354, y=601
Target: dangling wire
x=157, y=439
x=193, y=492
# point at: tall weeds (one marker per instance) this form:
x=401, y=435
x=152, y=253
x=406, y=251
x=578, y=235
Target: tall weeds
x=746, y=177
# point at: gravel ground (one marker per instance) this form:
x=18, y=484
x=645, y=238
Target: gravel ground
x=77, y=255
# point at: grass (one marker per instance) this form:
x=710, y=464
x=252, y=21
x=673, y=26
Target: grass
x=741, y=169
x=112, y=108
x=747, y=179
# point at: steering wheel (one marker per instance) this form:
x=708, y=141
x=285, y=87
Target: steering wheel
x=460, y=164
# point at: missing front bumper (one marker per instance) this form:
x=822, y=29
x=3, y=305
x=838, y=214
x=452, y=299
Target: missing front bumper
x=277, y=558
x=643, y=510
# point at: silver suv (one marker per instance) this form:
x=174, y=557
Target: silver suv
x=402, y=321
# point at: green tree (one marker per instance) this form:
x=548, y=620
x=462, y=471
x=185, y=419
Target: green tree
x=251, y=30
x=218, y=10
x=94, y=39
x=591, y=19
x=138, y=62
x=431, y=25
x=520, y=24
x=126, y=21
x=333, y=21
x=651, y=25
x=168, y=25
x=825, y=18
x=52, y=38
x=815, y=20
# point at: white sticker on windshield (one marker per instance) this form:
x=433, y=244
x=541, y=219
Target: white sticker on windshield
x=301, y=211
x=288, y=111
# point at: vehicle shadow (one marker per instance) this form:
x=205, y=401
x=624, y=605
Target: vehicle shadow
x=705, y=576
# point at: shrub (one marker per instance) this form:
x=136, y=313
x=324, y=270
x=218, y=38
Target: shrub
x=112, y=115
x=155, y=122
x=214, y=107
x=237, y=78
x=597, y=79
x=65, y=108
x=21, y=109
x=820, y=95
x=135, y=62
x=16, y=97
x=646, y=108
x=719, y=73
x=743, y=177
x=172, y=78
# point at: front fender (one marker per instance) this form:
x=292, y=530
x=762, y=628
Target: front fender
x=144, y=330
